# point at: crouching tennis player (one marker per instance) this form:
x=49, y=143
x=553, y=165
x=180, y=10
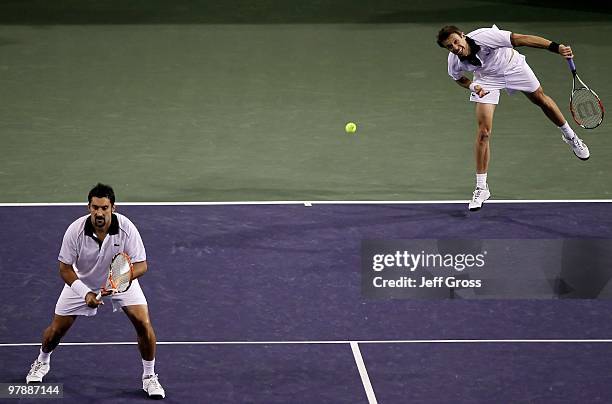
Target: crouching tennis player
x=489, y=54
x=88, y=247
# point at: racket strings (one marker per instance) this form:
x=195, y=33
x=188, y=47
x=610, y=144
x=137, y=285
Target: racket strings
x=119, y=280
x=120, y=274
x=586, y=108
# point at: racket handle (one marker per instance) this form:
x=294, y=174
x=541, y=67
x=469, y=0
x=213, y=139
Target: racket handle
x=571, y=64
x=99, y=295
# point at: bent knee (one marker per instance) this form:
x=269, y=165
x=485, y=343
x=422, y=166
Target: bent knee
x=538, y=97
x=54, y=332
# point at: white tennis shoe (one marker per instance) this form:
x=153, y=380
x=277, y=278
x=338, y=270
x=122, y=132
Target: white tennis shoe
x=578, y=147
x=154, y=389
x=38, y=370
x=480, y=195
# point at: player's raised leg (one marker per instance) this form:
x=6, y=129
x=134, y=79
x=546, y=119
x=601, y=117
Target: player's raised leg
x=552, y=111
x=139, y=316
x=482, y=153
x=51, y=339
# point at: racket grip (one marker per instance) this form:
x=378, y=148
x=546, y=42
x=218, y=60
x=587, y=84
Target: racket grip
x=571, y=64
x=99, y=295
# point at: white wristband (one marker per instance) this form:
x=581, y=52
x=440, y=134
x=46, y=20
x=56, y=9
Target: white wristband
x=473, y=87
x=80, y=288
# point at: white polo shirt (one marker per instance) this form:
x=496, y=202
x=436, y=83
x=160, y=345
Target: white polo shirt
x=91, y=258
x=496, y=55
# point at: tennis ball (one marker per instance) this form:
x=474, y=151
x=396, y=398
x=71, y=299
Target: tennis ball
x=350, y=127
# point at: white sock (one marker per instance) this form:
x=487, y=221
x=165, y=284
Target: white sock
x=44, y=357
x=567, y=131
x=481, y=181
x=148, y=368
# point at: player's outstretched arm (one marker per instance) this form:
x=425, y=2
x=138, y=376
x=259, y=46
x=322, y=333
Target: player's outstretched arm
x=534, y=41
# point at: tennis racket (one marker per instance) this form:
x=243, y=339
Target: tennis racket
x=119, y=276
x=585, y=106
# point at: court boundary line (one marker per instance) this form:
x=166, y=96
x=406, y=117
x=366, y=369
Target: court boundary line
x=307, y=203
x=363, y=372
x=336, y=342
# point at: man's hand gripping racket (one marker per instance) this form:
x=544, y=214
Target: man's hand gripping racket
x=478, y=90
x=119, y=276
x=585, y=106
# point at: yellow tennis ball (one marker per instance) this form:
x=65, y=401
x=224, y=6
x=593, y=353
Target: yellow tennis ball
x=350, y=127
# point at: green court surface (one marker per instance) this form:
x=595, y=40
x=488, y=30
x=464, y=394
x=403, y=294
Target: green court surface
x=192, y=105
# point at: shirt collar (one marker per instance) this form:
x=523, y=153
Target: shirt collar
x=112, y=230
x=474, y=49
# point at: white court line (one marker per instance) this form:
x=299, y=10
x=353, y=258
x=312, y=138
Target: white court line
x=363, y=372
x=411, y=341
x=306, y=203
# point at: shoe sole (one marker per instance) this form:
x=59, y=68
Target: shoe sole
x=581, y=158
x=480, y=207
x=35, y=381
x=155, y=396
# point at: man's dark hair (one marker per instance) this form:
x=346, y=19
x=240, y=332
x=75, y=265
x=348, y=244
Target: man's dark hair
x=102, y=191
x=445, y=32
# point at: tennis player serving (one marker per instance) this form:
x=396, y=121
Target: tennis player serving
x=489, y=54
x=90, y=244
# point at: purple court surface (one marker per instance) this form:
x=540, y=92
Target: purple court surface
x=260, y=304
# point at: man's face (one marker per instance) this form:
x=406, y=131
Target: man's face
x=457, y=44
x=101, y=211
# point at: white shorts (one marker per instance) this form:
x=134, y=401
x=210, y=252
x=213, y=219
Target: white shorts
x=71, y=304
x=519, y=77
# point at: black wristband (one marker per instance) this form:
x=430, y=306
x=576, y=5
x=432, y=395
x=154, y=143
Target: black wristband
x=553, y=47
